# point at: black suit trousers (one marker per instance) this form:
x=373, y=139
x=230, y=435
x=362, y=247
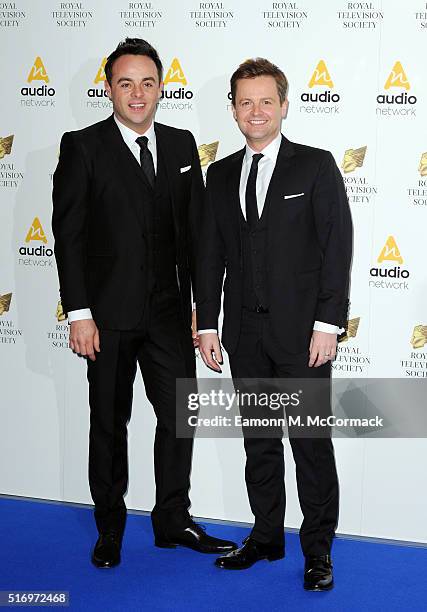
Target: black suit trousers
x=163, y=348
x=259, y=355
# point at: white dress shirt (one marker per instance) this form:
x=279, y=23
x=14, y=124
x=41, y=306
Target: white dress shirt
x=129, y=136
x=266, y=167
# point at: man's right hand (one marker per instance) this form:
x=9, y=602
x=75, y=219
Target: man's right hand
x=210, y=351
x=84, y=338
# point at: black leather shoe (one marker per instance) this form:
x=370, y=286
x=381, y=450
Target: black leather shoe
x=106, y=553
x=318, y=573
x=193, y=536
x=248, y=554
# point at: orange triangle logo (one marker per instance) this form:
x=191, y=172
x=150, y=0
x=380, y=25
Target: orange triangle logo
x=175, y=74
x=321, y=76
x=390, y=252
x=397, y=78
x=100, y=75
x=38, y=71
x=36, y=232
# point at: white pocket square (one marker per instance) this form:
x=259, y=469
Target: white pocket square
x=293, y=195
x=185, y=169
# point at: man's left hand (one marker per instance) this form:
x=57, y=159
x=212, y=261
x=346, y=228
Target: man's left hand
x=194, y=333
x=323, y=348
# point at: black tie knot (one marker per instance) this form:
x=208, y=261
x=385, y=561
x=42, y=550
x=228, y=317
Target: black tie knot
x=146, y=159
x=256, y=158
x=142, y=141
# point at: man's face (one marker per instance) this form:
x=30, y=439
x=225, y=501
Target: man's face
x=258, y=110
x=134, y=91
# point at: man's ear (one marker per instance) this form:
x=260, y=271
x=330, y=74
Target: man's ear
x=285, y=107
x=161, y=87
x=107, y=88
x=233, y=110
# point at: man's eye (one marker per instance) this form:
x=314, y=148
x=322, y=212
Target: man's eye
x=148, y=84
x=124, y=85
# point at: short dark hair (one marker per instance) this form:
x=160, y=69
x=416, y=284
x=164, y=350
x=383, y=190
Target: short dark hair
x=259, y=66
x=133, y=46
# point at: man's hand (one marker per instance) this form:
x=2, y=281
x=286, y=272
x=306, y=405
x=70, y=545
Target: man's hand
x=84, y=338
x=194, y=333
x=323, y=348
x=210, y=351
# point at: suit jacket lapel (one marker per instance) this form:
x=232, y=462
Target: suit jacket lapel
x=165, y=155
x=281, y=169
x=125, y=165
x=233, y=187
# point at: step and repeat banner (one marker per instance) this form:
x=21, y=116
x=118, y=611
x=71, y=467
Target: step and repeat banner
x=358, y=88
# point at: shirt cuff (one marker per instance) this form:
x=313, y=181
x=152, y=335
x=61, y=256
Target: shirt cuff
x=79, y=315
x=207, y=331
x=327, y=327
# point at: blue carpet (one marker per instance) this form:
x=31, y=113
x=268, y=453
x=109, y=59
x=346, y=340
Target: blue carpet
x=47, y=547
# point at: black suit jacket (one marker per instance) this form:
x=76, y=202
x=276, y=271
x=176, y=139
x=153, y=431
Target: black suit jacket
x=98, y=220
x=309, y=245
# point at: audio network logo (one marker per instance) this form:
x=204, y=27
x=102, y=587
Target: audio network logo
x=99, y=92
x=38, y=96
x=5, y=301
x=321, y=102
x=400, y=104
x=207, y=155
x=175, y=88
x=358, y=189
x=36, y=233
x=390, y=254
x=349, y=358
x=418, y=192
x=415, y=363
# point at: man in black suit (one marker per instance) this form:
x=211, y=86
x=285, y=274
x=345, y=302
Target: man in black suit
x=126, y=204
x=277, y=221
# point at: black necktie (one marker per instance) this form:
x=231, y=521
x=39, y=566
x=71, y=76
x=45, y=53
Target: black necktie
x=252, y=216
x=146, y=158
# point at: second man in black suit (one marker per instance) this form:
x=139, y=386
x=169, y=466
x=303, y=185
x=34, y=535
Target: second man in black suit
x=278, y=224
x=126, y=212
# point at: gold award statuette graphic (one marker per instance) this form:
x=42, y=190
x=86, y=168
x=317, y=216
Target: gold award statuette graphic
x=351, y=329
x=397, y=78
x=38, y=72
x=207, y=153
x=175, y=74
x=422, y=168
x=353, y=158
x=100, y=75
x=60, y=314
x=5, y=302
x=419, y=336
x=321, y=76
x=390, y=252
x=6, y=146
x=36, y=232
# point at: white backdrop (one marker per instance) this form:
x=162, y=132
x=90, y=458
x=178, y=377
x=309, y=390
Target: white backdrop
x=357, y=79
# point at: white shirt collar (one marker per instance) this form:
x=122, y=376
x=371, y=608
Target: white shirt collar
x=129, y=136
x=271, y=150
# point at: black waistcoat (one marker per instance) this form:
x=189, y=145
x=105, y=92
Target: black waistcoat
x=161, y=251
x=254, y=252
